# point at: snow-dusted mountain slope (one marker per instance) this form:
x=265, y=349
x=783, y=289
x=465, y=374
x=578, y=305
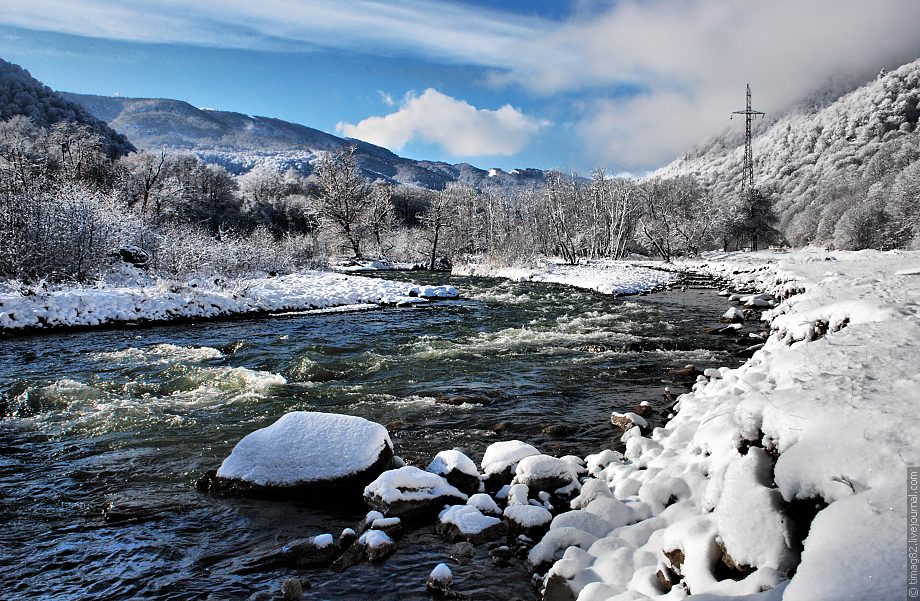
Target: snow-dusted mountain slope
x=21, y=94
x=240, y=142
x=858, y=154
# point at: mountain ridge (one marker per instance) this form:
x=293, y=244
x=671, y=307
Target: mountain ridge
x=242, y=142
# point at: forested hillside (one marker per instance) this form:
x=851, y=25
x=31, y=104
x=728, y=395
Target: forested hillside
x=23, y=95
x=847, y=174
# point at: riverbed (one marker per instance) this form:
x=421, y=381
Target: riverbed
x=137, y=415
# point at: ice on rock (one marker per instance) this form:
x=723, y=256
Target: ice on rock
x=433, y=292
x=323, y=540
x=585, y=521
x=309, y=448
x=376, y=544
x=409, y=490
x=374, y=539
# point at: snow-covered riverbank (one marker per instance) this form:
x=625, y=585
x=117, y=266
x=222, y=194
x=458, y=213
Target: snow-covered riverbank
x=608, y=277
x=788, y=474
x=164, y=301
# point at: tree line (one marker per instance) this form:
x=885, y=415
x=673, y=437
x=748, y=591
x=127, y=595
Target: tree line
x=70, y=211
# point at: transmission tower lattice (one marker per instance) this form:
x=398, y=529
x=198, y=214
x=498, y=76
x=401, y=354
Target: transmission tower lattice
x=747, y=181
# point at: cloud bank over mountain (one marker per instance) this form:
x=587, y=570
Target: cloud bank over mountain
x=637, y=81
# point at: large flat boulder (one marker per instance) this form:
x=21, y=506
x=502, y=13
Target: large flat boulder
x=304, y=453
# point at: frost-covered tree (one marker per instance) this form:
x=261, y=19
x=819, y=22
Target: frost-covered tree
x=436, y=222
x=676, y=216
x=343, y=197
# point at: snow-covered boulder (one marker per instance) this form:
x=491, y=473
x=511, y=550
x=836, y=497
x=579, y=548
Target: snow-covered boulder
x=302, y=453
x=410, y=491
x=433, y=292
x=373, y=546
x=750, y=519
x=465, y=522
x=554, y=544
x=485, y=504
x=733, y=315
x=542, y=472
x=527, y=519
x=628, y=420
x=500, y=460
x=440, y=579
x=458, y=469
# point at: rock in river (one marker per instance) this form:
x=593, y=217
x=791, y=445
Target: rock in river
x=410, y=491
x=458, y=469
x=304, y=453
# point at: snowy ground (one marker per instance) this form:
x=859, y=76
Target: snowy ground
x=164, y=301
x=608, y=277
x=822, y=418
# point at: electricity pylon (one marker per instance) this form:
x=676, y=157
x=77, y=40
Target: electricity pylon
x=747, y=181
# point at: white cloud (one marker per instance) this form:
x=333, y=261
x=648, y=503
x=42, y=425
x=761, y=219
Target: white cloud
x=686, y=61
x=442, y=30
x=689, y=62
x=457, y=126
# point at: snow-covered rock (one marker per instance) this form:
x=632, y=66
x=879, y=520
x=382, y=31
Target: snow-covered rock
x=527, y=519
x=456, y=468
x=484, y=503
x=500, y=460
x=733, y=315
x=440, y=579
x=378, y=545
x=303, y=452
x=627, y=421
x=409, y=491
x=542, y=472
x=465, y=522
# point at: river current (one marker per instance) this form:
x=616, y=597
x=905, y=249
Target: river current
x=136, y=415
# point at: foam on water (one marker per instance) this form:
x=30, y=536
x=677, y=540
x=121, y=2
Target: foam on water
x=66, y=405
x=161, y=353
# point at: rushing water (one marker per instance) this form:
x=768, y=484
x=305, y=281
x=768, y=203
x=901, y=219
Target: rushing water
x=136, y=415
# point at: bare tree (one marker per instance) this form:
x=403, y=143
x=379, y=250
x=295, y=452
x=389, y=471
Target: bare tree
x=343, y=197
x=436, y=220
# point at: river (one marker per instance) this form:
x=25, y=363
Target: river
x=138, y=414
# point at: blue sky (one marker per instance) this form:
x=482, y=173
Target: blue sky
x=574, y=84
